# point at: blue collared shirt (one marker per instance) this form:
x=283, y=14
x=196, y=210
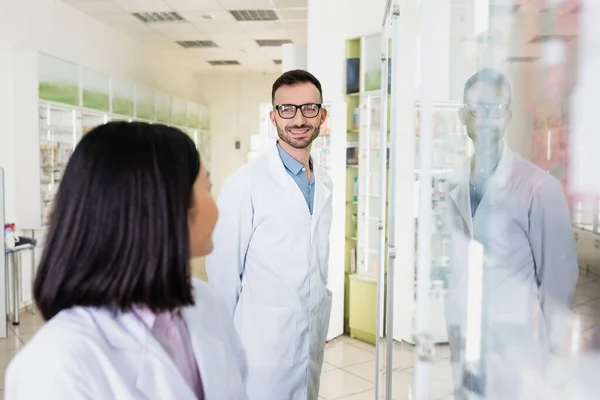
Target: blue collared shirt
x=298, y=173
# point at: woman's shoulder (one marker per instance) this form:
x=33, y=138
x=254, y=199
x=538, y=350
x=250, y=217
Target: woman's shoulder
x=55, y=350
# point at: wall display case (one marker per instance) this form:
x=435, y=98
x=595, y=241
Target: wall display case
x=60, y=131
x=73, y=100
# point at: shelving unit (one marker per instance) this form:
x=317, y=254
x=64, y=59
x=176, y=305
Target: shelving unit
x=73, y=100
x=59, y=133
x=363, y=183
x=451, y=151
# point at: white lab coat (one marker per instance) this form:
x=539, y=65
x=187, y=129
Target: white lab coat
x=270, y=264
x=529, y=267
x=89, y=353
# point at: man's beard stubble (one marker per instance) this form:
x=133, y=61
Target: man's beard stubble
x=298, y=144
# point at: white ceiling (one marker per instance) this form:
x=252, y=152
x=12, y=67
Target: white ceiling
x=235, y=40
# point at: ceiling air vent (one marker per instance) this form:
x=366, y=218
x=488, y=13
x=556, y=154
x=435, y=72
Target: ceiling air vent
x=153, y=17
x=223, y=62
x=277, y=62
x=254, y=15
x=272, y=43
x=196, y=44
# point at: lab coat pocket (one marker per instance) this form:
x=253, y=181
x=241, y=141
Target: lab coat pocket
x=269, y=335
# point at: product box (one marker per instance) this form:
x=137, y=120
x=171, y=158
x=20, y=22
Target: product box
x=352, y=75
x=352, y=153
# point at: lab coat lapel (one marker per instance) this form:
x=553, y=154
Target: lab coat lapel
x=158, y=376
x=461, y=198
x=208, y=350
x=498, y=184
x=323, y=186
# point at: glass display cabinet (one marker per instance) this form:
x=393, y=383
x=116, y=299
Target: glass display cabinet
x=369, y=187
x=60, y=131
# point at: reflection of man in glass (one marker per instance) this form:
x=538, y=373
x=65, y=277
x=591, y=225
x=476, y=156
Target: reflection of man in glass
x=514, y=267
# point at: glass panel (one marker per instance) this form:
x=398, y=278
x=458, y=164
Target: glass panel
x=509, y=286
x=58, y=80
x=59, y=133
x=369, y=188
x=96, y=90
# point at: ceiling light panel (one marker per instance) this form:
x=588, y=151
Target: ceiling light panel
x=254, y=15
x=158, y=17
x=200, y=16
x=219, y=27
x=299, y=14
x=279, y=4
x=115, y=20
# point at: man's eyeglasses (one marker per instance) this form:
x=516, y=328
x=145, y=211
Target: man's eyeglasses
x=288, y=111
x=490, y=110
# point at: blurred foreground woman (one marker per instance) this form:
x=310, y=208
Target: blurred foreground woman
x=125, y=319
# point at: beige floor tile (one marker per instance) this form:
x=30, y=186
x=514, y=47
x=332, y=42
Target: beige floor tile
x=358, y=343
x=368, y=395
x=339, y=383
x=26, y=337
x=587, y=309
x=591, y=289
x=440, y=371
x=403, y=389
x=364, y=370
x=580, y=299
x=344, y=355
x=12, y=342
x=327, y=367
x=28, y=324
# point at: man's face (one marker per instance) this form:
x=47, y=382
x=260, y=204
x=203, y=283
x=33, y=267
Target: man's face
x=486, y=114
x=301, y=129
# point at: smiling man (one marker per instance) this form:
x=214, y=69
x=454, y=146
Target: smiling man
x=272, y=247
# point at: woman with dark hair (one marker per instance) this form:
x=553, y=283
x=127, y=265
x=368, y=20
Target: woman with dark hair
x=125, y=319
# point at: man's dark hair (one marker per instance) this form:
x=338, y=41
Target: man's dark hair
x=488, y=76
x=295, y=77
x=118, y=235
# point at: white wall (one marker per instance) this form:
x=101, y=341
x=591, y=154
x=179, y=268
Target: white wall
x=53, y=27
x=233, y=100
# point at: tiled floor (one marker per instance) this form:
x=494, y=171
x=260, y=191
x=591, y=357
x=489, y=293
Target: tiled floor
x=348, y=370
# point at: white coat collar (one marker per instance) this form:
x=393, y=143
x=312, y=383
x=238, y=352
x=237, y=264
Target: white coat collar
x=323, y=183
x=496, y=187
x=127, y=332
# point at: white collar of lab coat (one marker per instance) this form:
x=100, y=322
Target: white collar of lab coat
x=323, y=183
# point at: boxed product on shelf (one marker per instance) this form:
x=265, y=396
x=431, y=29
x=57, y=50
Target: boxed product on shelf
x=352, y=153
x=352, y=75
x=356, y=119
